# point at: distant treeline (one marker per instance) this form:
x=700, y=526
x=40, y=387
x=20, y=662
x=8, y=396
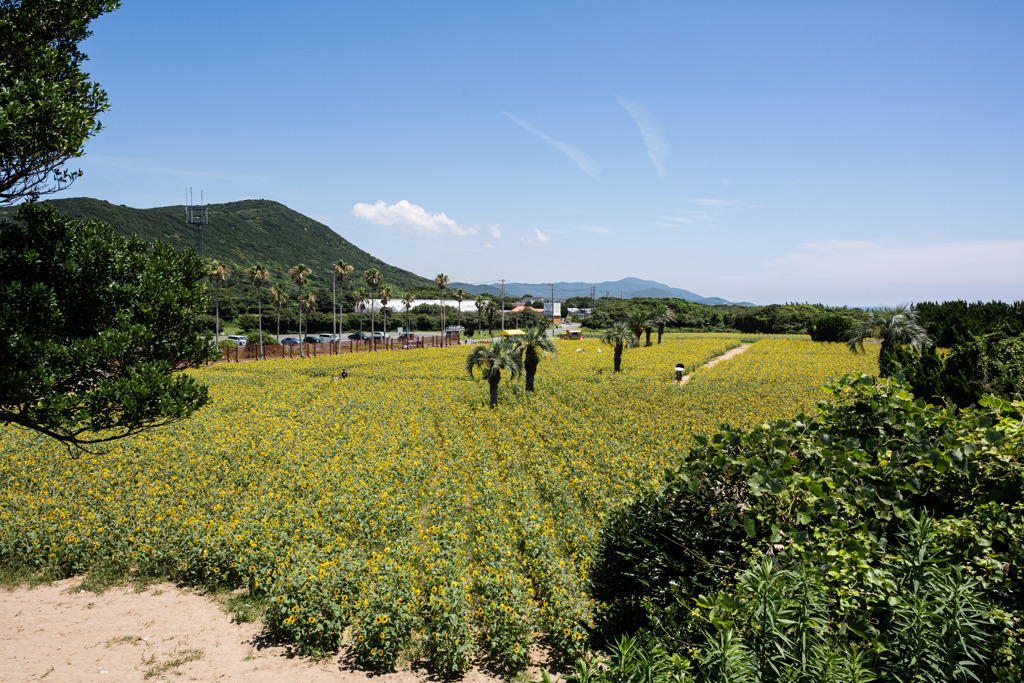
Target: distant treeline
x=946, y=323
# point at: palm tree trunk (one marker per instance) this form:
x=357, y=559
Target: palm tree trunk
x=301, y=341
x=618, y=357
x=373, y=340
x=334, y=304
x=216, y=316
x=647, y=330
x=259, y=307
x=494, y=380
x=661, y=331
x=530, y=362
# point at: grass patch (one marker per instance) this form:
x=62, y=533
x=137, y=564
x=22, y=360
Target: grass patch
x=178, y=658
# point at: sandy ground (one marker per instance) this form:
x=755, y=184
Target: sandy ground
x=715, y=361
x=55, y=633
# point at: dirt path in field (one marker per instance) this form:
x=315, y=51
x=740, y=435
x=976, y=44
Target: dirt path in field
x=715, y=361
x=53, y=633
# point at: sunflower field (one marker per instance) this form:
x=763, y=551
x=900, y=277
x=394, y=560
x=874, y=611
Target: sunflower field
x=394, y=510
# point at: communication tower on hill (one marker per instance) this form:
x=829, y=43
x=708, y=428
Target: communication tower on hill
x=197, y=217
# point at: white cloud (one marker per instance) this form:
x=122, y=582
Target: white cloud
x=650, y=130
x=539, y=239
x=489, y=246
x=495, y=231
x=411, y=218
x=582, y=160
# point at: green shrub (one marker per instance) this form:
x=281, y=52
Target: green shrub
x=830, y=327
x=665, y=549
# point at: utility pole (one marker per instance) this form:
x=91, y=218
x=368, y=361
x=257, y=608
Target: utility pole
x=552, y=310
x=502, y=305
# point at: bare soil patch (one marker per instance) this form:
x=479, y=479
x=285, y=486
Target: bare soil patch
x=55, y=633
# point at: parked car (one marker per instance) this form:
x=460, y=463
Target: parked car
x=310, y=339
x=238, y=339
x=327, y=338
x=289, y=341
x=407, y=335
x=378, y=336
x=356, y=336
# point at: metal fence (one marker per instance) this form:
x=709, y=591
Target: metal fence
x=237, y=354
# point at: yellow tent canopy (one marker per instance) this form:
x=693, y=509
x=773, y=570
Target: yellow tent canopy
x=511, y=333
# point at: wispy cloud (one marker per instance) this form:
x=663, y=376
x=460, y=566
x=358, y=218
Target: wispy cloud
x=651, y=131
x=673, y=221
x=582, y=160
x=539, y=239
x=410, y=218
x=495, y=231
x=719, y=203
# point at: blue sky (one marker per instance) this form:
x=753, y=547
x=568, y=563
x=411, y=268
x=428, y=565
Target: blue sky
x=847, y=153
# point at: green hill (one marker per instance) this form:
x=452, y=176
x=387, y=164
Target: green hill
x=243, y=233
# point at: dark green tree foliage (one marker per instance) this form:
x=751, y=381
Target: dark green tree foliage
x=94, y=327
x=953, y=322
x=830, y=327
x=990, y=364
x=662, y=551
x=49, y=104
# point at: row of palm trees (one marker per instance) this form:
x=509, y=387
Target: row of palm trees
x=523, y=354
x=514, y=354
x=259, y=275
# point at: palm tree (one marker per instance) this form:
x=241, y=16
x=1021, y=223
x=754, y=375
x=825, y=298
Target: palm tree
x=534, y=344
x=308, y=304
x=459, y=295
x=386, y=292
x=493, y=358
x=299, y=275
x=279, y=299
x=341, y=271
x=373, y=278
x=442, y=281
x=489, y=309
x=217, y=273
x=620, y=335
x=258, y=275
x=481, y=301
x=662, y=314
x=895, y=326
x=639, y=322
x=408, y=300
x=362, y=299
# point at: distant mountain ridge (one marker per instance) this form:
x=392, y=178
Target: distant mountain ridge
x=625, y=288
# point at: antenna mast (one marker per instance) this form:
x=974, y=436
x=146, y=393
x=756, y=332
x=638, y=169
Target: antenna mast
x=197, y=217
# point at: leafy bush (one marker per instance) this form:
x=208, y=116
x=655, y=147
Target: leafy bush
x=830, y=327
x=981, y=365
x=227, y=343
x=665, y=549
x=248, y=322
x=859, y=583
x=253, y=339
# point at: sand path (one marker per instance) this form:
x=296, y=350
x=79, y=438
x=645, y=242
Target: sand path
x=715, y=361
x=50, y=632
